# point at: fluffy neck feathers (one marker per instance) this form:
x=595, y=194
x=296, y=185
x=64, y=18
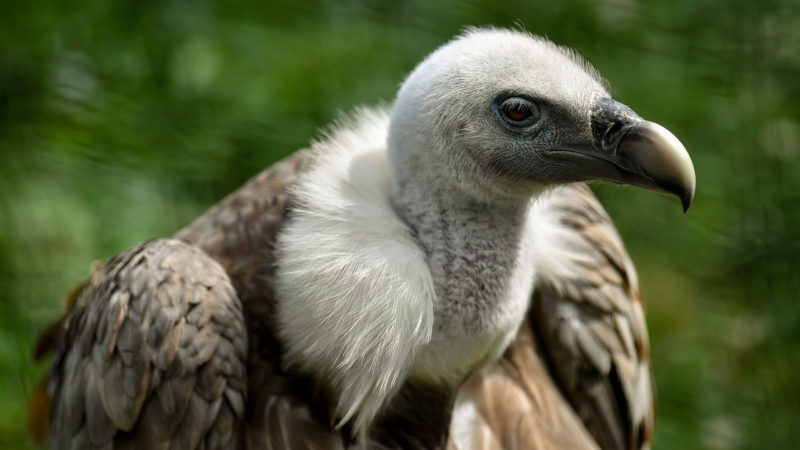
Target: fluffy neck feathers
x=373, y=288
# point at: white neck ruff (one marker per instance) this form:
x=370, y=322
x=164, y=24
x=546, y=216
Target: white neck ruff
x=359, y=306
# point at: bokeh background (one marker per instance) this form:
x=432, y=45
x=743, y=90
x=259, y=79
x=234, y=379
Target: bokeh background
x=122, y=120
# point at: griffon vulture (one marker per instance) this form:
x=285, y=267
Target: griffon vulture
x=430, y=275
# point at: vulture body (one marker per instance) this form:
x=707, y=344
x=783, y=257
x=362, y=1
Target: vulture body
x=430, y=276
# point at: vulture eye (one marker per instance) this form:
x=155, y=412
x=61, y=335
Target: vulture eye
x=519, y=112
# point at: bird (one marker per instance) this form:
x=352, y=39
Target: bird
x=433, y=273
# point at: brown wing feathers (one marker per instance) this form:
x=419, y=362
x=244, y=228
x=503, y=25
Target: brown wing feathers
x=577, y=375
x=153, y=355
x=592, y=330
x=518, y=405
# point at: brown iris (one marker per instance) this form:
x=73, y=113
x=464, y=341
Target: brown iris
x=519, y=112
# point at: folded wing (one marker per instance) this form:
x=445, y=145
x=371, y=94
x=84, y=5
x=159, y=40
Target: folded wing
x=152, y=356
x=577, y=375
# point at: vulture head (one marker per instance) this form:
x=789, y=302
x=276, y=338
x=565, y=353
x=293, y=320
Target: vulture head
x=502, y=114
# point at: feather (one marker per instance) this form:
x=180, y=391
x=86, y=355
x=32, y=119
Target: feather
x=129, y=388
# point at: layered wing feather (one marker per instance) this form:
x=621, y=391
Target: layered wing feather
x=577, y=375
x=589, y=318
x=514, y=403
x=152, y=355
x=284, y=411
x=233, y=240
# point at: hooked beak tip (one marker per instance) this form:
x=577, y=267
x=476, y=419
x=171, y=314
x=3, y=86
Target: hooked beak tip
x=686, y=201
x=658, y=155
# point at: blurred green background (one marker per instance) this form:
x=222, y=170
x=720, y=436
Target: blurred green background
x=121, y=121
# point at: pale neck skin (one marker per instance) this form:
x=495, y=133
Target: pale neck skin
x=478, y=255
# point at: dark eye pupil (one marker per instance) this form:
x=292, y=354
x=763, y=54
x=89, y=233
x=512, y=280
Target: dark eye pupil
x=518, y=112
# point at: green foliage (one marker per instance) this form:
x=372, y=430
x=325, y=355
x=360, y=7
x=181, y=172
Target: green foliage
x=121, y=121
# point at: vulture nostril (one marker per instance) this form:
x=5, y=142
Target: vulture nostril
x=613, y=135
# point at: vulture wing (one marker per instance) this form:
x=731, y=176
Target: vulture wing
x=151, y=355
x=283, y=411
x=592, y=328
x=153, y=350
x=586, y=334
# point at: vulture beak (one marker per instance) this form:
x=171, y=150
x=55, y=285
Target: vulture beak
x=630, y=150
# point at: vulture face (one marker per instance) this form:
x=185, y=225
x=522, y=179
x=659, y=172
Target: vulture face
x=507, y=113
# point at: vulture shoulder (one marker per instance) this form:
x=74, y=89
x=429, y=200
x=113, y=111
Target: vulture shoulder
x=580, y=362
x=588, y=314
x=155, y=349
x=150, y=355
